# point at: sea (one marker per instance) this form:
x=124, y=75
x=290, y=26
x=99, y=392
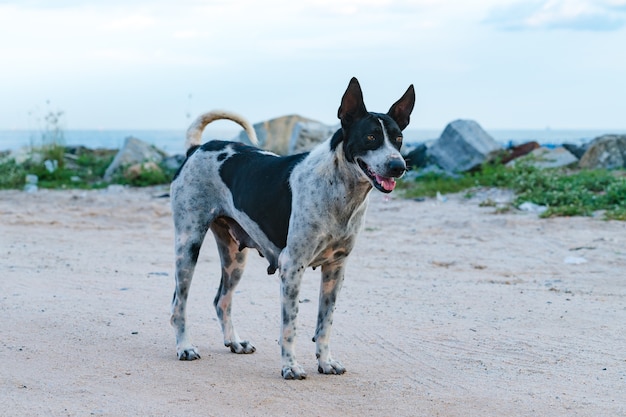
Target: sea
x=172, y=141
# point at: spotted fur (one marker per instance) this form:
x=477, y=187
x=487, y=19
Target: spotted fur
x=297, y=211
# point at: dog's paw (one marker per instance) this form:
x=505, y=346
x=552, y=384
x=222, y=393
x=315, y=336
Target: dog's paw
x=293, y=372
x=240, y=347
x=188, y=354
x=331, y=367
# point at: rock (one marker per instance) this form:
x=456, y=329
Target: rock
x=417, y=157
x=134, y=151
x=305, y=135
x=532, y=207
x=51, y=165
x=31, y=183
x=518, y=151
x=577, y=150
x=173, y=162
x=24, y=154
x=608, y=151
x=286, y=134
x=134, y=171
x=548, y=158
x=462, y=146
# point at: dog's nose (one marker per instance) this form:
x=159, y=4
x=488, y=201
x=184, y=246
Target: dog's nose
x=396, y=167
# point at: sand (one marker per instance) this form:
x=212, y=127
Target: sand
x=448, y=309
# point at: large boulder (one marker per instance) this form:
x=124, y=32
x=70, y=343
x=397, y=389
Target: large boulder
x=578, y=150
x=134, y=151
x=307, y=134
x=416, y=155
x=608, y=151
x=517, y=151
x=462, y=146
x=548, y=158
x=288, y=134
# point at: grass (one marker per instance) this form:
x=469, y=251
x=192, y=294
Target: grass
x=12, y=175
x=563, y=192
x=149, y=174
x=82, y=169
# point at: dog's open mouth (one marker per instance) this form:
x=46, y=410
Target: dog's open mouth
x=383, y=184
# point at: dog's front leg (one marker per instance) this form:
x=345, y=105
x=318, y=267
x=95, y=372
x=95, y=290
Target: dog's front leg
x=290, y=280
x=332, y=280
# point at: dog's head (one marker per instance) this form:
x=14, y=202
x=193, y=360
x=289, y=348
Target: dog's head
x=372, y=141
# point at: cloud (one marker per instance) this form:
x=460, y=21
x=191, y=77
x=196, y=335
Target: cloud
x=575, y=15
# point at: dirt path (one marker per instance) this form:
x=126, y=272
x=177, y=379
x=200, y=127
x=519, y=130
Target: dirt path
x=447, y=310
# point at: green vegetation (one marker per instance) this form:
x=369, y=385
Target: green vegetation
x=76, y=168
x=563, y=192
x=145, y=175
x=12, y=174
x=58, y=166
x=82, y=169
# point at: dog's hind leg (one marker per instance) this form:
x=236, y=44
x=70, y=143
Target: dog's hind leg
x=187, y=248
x=332, y=280
x=233, y=263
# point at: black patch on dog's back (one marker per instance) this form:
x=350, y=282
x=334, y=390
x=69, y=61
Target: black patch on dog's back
x=211, y=146
x=190, y=152
x=259, y=184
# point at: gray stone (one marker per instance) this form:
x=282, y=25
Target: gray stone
x=532, y=207
x=462, y=146
x=173, y=162
x=31, y=183
x=51, y=165
x=416, y=155
x=306, y=134
x=608, y=151
x=24, y=154
x=287, y=134
x=134, y=151
x=577, y=150
x=547, y=158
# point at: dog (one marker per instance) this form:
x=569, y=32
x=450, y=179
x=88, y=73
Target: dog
x=297, y=211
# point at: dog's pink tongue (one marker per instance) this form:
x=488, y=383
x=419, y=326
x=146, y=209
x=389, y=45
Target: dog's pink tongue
x=388, y=183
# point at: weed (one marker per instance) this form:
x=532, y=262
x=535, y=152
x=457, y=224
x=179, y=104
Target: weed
x=12, y=174
x=563, y=192
x=430, y=183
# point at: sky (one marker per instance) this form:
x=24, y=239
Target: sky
x=156, y=64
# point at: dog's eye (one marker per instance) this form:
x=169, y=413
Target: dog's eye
x=399, y=139
x=371, y=138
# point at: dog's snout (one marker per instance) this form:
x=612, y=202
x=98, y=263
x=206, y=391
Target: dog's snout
x=396, y=167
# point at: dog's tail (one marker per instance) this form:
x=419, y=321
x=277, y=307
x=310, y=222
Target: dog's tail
x=194, y=133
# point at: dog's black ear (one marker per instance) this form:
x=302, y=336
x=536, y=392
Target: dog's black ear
x=352, y=107
x=401, y=109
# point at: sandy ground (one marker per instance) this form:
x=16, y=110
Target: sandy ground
x=447, y=310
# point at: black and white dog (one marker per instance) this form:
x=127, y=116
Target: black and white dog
x=296, y=211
